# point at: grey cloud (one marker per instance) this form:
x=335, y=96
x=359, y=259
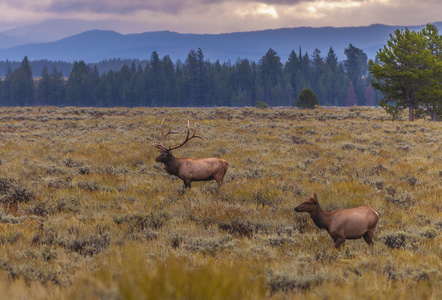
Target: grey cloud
x=130, y=6
x=115, y=6
x=218, y=16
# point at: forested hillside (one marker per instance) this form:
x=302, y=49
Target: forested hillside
x=196, y=82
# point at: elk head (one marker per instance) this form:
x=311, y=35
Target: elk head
x=309, y=205
x=166, y=153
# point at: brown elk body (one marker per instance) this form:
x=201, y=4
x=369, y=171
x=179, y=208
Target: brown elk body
x=190, y=169
x=342, y=224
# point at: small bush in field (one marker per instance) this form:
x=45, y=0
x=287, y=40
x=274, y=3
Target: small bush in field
x=261, y=104
x=430, y=233
x=18, y=193
x=399, y=240
x=399, y=198
x=83, y=241
x=139, y=221
x=10, y=237
x=238, y=226
x=307, y=99
x=287, y=282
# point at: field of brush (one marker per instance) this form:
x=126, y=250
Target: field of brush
x=87, y=213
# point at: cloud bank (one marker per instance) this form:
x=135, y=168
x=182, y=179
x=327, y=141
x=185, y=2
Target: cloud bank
x=220, y=16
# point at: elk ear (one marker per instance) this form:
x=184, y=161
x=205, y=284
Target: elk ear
x=315, y=197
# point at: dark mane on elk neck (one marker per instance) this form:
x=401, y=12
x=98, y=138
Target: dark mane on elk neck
x=342, y=224
x=190, y=169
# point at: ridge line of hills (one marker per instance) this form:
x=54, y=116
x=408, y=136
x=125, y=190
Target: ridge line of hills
x=96, y=45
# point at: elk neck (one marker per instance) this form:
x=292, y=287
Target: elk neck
x=172, y=165
x=320, y=218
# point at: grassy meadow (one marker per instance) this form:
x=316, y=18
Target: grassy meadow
x=87, y=213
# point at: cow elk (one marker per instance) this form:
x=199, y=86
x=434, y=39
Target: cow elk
x=342, y=224
x=190, y=169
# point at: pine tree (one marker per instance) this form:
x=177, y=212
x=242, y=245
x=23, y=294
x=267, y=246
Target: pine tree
x=404, y=70
x=191, y=78
x=203, y=81
x=270, y=73
x=291, y=69
x=431, y=95
x=22, y=85
x=43, y=88
x=76, y=86
x=156, y=81
x=57, y=88
x=356, y=69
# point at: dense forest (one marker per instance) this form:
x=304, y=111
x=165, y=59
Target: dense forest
x=195, y=82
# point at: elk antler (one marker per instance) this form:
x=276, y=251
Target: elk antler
x=161, y=146
x=187, y=137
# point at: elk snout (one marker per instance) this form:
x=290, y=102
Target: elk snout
x=299, y=208
x=163, y=157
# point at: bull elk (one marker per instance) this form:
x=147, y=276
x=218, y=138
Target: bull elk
x=190, y=169
x=342, y=224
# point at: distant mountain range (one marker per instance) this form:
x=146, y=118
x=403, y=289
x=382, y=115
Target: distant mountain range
x=96, y=45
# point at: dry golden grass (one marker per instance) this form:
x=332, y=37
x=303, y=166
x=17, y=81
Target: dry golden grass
x=88, y=214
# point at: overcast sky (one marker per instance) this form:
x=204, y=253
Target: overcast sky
x=220, y=16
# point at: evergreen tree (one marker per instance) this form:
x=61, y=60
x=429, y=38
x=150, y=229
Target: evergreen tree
x=335, y=82
x=76, y=85
x=103, y=93
x=431, y=95
x=244, y=83
x=170, y=86
x=404, y=70
x=270, y=73
x=156, y=82
x=291, y=69
x=43, y=87
x=57, y=88
x=356, y=68
x=203, y=82
x=22, y=85
x=93, y=79
x=191, y=78
x=331, y=59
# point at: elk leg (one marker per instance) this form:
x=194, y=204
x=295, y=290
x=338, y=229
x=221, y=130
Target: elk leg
x=187, y=184
x=368, y=237
x=338, y=242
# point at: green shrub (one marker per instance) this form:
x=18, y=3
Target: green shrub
x=261, y=104
x=307, y=99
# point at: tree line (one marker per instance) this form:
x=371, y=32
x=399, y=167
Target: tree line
x=197, y=82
